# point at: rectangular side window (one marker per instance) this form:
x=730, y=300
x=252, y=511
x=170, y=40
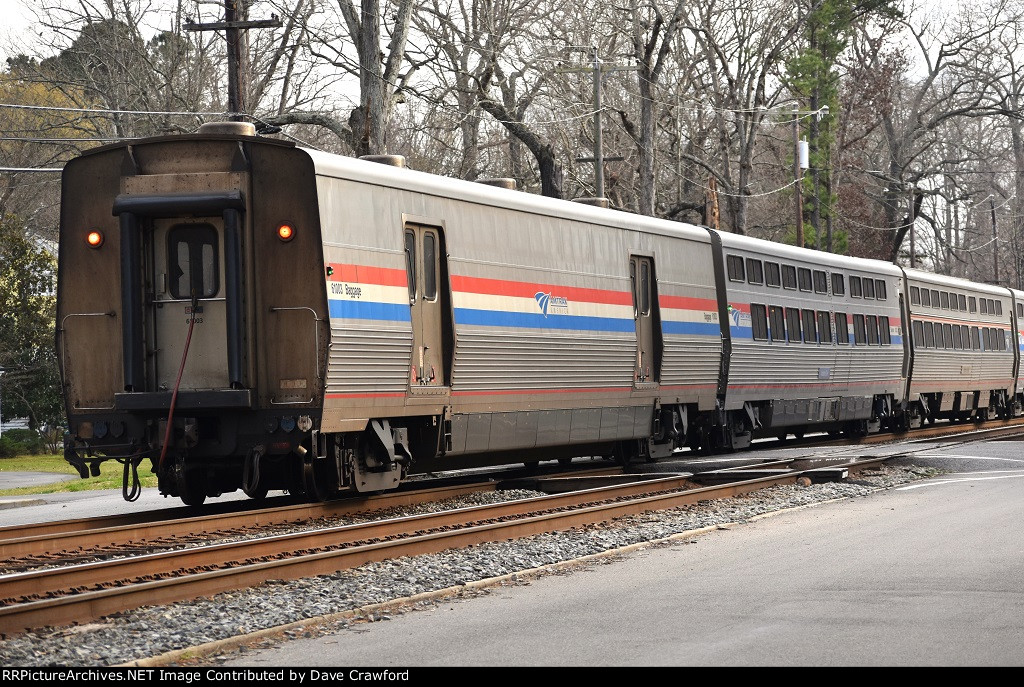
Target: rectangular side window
x=788, y=277
x=777, y=323
x=869, y=288
x=824, y=327
x=860, y=332
x=810, y=330
x=855, y=291
x=772, y=274
x=915, y=295
x=793, y=325
x=926, y=297
x=735, y=265
x=961, y=302
x=755, y=272
x=883, y=330
x=880, y=289
x=804, y=275
x=918, y=334
x=820, y=282
x=759, y=321
x=842, y=329
x=838, y=284
x=929, y=335
x=871, y=322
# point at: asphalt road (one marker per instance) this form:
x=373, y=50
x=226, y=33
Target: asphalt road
x=931, y=574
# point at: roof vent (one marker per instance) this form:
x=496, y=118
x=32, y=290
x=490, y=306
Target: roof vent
x=391, y=160
x=500, y=182
x=596, y=202
x=228, y=128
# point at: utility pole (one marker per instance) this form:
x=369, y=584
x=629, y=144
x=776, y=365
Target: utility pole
x=797, y=177
x=995, y=238
x=598, y=69
x=234, y=26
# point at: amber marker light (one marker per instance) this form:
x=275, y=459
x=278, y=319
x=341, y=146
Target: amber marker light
x=94, y=238
x=285, y=232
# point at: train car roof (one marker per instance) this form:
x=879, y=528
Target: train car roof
x=954, y=282
x=339, y=166
x=783, y=251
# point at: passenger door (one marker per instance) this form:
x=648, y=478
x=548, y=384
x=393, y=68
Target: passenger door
x=423, y=256
x=188, y=283
x=641, y=273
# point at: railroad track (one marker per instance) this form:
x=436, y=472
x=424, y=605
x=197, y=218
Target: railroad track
x=88, y=590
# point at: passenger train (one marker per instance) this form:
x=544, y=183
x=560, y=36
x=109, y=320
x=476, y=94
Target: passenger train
x=249, y=314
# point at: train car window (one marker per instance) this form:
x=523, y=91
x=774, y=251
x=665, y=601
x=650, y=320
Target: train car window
x=1020, y=310
x=918, y=334
x=777, y=323
x=855, y=287
x=810, y=331
x=192, y=261
x=793, y=325
x=961, y=302
x=880, y=290
x=1003, y=334
x=929, y=335
x=788, y=277
x=947, y=336
x=759, y=321
x=842, y=329
x=755, y=272
x=869, y=288
x=772, y=274
x=984, y=306
x=824, y=327
x=986, y=339
x=860, y=332
x=429, y=270
x=872, y=325
x=805, y=278
x=965, y=336
x=820, y=282
x=735, y=264
x=975, y=338
x=645, y=288
x=410, y=263
x=935, y=298
x=838, y=284
x=952, y=301
x=972, y=304
x=944, y=298
x=958, y=342
x=915, y=295
x=926, y=298
x=999, y=307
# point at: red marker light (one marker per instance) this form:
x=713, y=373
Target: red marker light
x=94, y=238
x=285, y=232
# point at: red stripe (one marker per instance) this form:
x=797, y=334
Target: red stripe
x=539, y=391
x=365, y=274
x=500, y=287
x=687, y=303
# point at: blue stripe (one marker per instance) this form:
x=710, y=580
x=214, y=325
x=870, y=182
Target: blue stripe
x=501, y=318
x=700, y=328
x=366, y=310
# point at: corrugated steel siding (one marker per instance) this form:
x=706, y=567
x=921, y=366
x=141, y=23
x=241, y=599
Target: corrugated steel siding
x=366, y=360
x=512, y=360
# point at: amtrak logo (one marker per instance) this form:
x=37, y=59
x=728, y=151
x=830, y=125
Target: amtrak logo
x=557, y=304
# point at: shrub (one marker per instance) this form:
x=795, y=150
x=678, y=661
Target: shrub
x=29, y=440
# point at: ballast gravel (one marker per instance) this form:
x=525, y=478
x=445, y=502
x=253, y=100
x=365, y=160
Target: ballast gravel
x=152, y=631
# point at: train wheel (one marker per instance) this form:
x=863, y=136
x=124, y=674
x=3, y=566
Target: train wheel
x=190, y=483
x=317, y=479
